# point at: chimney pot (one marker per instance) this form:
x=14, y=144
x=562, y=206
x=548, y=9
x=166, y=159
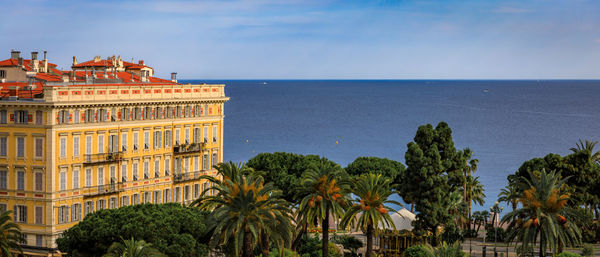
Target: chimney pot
x=34, y=55
x=74, y=60
x=174, y=77
x=15, y=54
x=45, y=55
x=20, y=61
x=141, y=62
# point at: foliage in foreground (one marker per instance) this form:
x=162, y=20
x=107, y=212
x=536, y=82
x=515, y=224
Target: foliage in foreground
x=10, y=235
x=443, y=250
x=348, y=242
x=311, y=246
x=132, y=248
x=568, y=254
x=171, y=228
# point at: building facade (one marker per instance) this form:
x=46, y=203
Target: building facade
x=81, y=141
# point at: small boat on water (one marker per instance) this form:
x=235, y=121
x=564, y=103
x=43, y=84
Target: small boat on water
x=264, y=83
x=485, y=90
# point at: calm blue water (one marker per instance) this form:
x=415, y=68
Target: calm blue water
x=512, y=122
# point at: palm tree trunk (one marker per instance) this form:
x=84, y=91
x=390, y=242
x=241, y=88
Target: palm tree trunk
x=248, y=250
x=325, y=227
x=542, y=252
x=265, y=245
x=369, y=240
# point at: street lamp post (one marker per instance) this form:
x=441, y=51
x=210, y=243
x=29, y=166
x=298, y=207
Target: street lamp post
x=496, y=210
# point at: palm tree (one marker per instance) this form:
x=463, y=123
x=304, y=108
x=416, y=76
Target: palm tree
x=544, y=214
x=132, y=248
x=589, y=146
x=242, y=209
x=231, y=170
x=510, y=194
x=372, y=191
x=469, y=168
x=480, y=217
x=10, y=235
x=456, y=207
x=325, y=194
x=474, y=194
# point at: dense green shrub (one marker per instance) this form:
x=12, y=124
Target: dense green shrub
x=491, y=232
x=174, y=230
x=418, y=251
x=588, y=250
x=286, y=253
x=450, y=250
x=568, y=254
x=349, y=242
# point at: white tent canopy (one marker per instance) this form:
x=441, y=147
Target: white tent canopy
x=402, y=220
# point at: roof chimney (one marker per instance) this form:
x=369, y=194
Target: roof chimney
x=45, y=52
x=141, y=62
x=34, y=55
x=20, y=61
x=45, y=62
x=15, y=54
x=74, y=61
x=174, y=77
x=65, y=78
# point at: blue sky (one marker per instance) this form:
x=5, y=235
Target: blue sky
x=318, y=39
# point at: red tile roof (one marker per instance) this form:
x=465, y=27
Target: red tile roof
x=23, y=93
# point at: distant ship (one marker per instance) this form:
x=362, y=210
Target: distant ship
x=264, y=83
x=485, y=90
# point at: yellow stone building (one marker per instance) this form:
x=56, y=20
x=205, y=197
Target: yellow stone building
x=74, y=142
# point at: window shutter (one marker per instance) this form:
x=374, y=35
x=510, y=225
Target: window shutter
x=25, y=214
x=15, y=213
x=12, y=116
x=29, y=117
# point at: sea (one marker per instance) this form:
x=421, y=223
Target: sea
x=504, y=122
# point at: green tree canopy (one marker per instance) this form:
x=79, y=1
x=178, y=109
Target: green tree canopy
x=284, y=170
x=10, y=235
x=171, y=228
x=392, y=170
x=434, y=170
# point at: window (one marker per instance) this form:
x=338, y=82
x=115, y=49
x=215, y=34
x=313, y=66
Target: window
x=168, y=138
x=20, y=147
x=63, y=214
x=147, y=197
x=88, y=177
x=112, y=203
x=157, y=139
x=21, y=180
x=177, y=111
x=76, y=212
x=136, y=113
x=135, y=141
x=75, y=178
x=3, y=179
x=39, y=117
x=205, y=162
x=176, y=137
x=76, y=118
x=177, y=166
x=100, y=143
x=178, y=194
x=39, y=240
x=39, y=181
x=186, y=165
x=124, y=201
x=63, y=147
x=88, y=145
x=63, y=116
x=186, y=193
x=167, y=195
x=169, y=112
x=188, y=111
x=124, y=142
x=214, y=134
x=146, y=170
x=3, y=146
x=2, y=74
x=158, y=113
x=197, y=111
x=205, y=109
x=88, y=207
x=102, y=115
x=113, y=174
x=148, y=113
x=113, y=143
x=39, y=215
x=167, y=167
x=187, y=135
x=146, y=140
x=156, y=197
x=76, y=146
x=135, y=199
x=89, y=115
x=3, y=116
x=196, y=163
x=100, y=176
x=134, y=169
x=205, y=134
x=20, y=213
x=39, y=147
x=197, y=135
x=21, y=117
x=124, y=172
x=196, y=191
x=215, y=158
x=157, y=168
x=100, y=204
x=113, y=114
x=63, y=180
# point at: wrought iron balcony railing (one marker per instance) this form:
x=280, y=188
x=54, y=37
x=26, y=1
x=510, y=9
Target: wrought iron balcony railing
x=188, y=148
x=102, y=157
x=103, y=189
x=182, y=177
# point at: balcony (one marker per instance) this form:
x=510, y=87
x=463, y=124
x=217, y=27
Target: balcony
x=183, y=177
x=103, y=189
x=102, y=158
x=188, y=148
